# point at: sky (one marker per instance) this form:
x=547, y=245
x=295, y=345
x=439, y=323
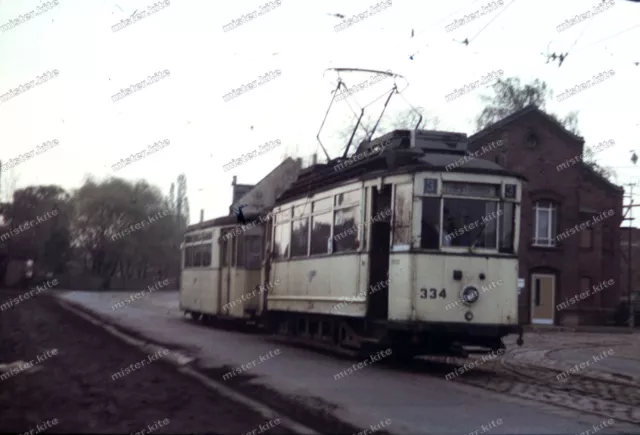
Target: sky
x=298, y=38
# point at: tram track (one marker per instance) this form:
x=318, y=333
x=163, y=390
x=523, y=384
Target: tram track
x=616, y=400
x=612, y=399
x=602, y=397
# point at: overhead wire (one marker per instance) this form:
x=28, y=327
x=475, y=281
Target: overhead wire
x=491, y=21
x=580, y=49
x=606, y=38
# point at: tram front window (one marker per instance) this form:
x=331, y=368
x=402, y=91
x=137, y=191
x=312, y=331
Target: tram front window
x=469, y=222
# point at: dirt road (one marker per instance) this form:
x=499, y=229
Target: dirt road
x=73, y=387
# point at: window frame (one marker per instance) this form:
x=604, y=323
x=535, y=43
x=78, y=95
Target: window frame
x=498, y=228
x=248, y=254
x=553, y=223
x=328, y=213
x=286, y=215
x=407, y=245
x=197, y=250
x=347, y=205
x=305, y=216
x=441, y=196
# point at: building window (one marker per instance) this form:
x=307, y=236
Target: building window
x=402, y=215
x=545, y=223
x=586, y=238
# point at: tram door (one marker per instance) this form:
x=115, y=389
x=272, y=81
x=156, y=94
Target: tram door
x=378, y=301
x=227, y=252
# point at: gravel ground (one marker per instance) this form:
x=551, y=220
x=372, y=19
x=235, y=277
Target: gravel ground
x=71, y=390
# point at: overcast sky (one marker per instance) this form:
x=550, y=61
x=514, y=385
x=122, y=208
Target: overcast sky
x=297, y=38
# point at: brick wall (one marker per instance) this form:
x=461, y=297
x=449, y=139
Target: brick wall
x=534, y=146
x=635, y=258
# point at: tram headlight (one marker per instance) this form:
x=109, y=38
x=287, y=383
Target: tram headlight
x=470, y=295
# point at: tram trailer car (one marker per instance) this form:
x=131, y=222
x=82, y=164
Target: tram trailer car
x=222, y=269
x=413, y=248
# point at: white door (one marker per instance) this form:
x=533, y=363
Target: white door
x=543, y=289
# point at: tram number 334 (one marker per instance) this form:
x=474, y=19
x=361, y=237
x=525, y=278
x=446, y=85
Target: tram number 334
x=432, y=293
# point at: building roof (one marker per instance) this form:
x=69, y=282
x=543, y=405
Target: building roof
x=260, y=183
x=600, y=179
x=535, y=110
x=532, y=108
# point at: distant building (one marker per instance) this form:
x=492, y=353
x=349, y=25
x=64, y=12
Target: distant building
x=558, y=259
x=262, y=196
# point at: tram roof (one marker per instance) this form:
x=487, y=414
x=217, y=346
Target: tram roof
x=396, y=158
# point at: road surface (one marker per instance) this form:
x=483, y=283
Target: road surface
x=413, y=402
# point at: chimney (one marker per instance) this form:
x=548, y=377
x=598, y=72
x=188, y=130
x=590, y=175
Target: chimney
x=314, y=159
x=299, y=163
x=201, y=215
x=235, y=179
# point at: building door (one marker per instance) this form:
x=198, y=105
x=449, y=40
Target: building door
x=543, y=290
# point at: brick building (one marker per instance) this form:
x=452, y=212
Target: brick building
x=635, y=261
x=570, y=221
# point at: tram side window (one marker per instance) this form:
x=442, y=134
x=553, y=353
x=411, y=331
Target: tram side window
x=241, y=250
x=430, y=227
x=320, y=233
x=224, y=248
x=402, y=215
x=253, y=248
x=300, y=238
x=197, y=256
x=206, y=255
x=188, y=257
x=346, y=223
x=234, y=240
x=506, y=224
x=282, y=238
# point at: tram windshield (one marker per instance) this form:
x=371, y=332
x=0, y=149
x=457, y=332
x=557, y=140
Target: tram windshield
x=467, y=223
